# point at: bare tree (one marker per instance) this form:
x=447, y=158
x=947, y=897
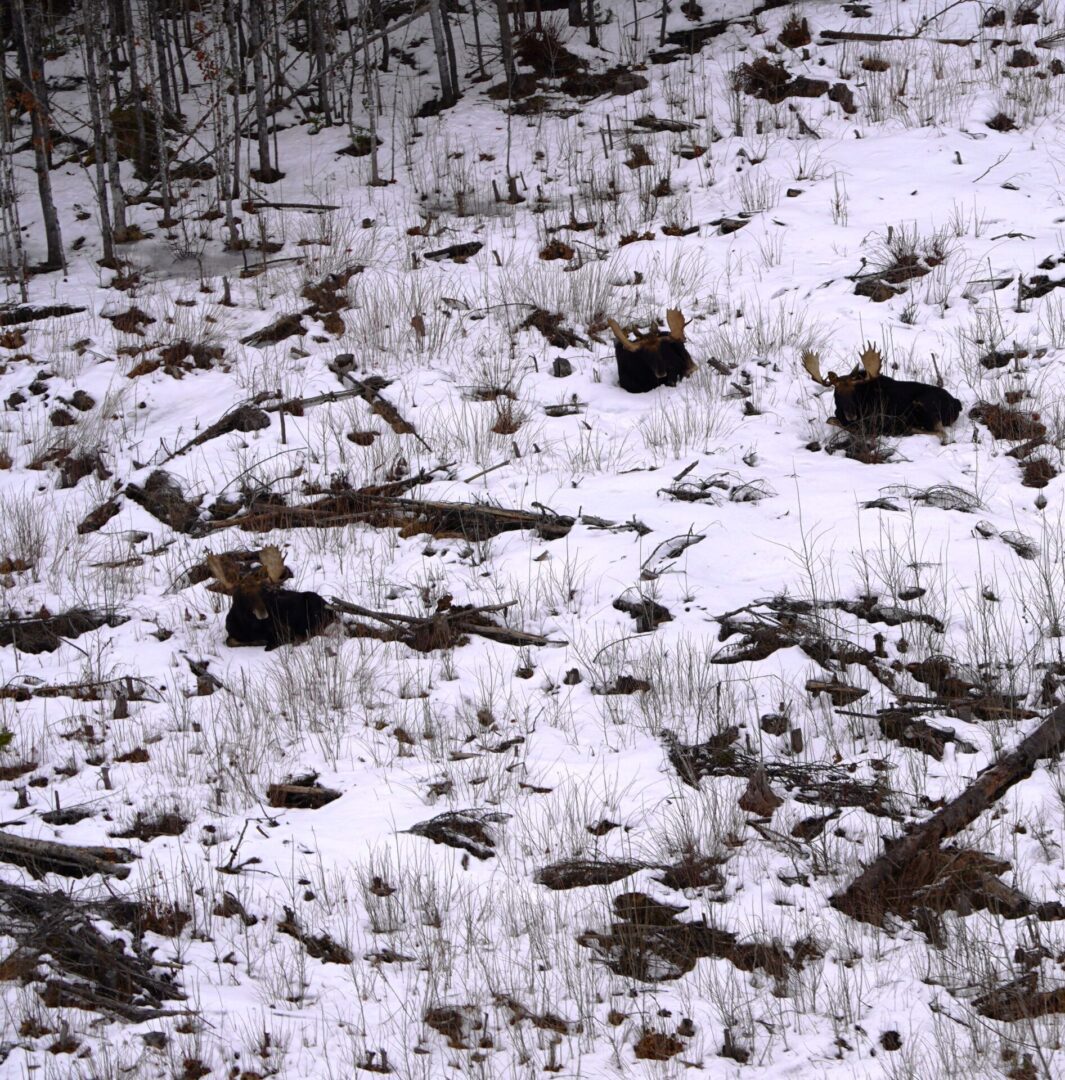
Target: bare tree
x=26, y=19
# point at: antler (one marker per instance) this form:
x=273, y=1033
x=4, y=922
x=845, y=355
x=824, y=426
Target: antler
x=871, y=360
x=222, y=571
x=812, y=362
x=623, y=340
x=675, y=321
x=272, y=563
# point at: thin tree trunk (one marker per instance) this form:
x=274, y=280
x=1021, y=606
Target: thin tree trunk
x=266, y=174
x=506, y=43
x=316, y=32
x=11, y=242
x=593, y=32
x=481, y=73
x=576, y=13
x=31, y=66
x=452, y=61
x=91, y=17
x=436, y=21
x=144, y=156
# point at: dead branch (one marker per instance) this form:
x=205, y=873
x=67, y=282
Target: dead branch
x=828, y=37
x=42, y=857
x=370, y=391
x=867, y=897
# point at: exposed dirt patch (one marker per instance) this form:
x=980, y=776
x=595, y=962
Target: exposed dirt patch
x=580, y=873
x=162, y=496
x=1008, y=423
x=45, y=632
x=650, y=944
x=1038, y=472
x=657, y=1046
x=320, y=946
x=148, y=824
x=468, y=830
x=550, y=324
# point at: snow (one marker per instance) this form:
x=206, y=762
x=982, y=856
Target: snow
x=923, y=164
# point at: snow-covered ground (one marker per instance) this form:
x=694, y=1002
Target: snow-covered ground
x=533, y=977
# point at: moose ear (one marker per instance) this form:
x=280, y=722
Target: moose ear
x=623, y=340
x=675, y=322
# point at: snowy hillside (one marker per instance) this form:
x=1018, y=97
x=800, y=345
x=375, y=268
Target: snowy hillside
x=623, y=691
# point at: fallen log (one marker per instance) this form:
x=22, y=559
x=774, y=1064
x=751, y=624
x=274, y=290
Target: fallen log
x=370, y=391
x=869, y=897
x=42, y=857
x=15, y=316
x=472, y=521
x=442, y=628
x=829, y=37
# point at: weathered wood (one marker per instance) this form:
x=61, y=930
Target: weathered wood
x=867, y=897
x=830, y=36
x=42, y=857
x=15, y=316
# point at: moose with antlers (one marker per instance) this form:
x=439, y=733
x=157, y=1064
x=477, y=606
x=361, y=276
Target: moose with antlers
x=878, y=404
x=262, y=612
x=654, y=359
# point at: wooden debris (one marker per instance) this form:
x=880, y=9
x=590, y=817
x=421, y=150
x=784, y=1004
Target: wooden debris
x=869, y=897
x=244, y=418
x=25, y=313
x=829, y=37
x=42, y=857
x=445, y=628
x=413, y=517
x=468, y=830
x=320, y=946
x=45, y=632
x=459, y=253
x=300, y=796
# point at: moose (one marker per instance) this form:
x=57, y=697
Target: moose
x=262, y=612
x=879, y=405
x=654, y=359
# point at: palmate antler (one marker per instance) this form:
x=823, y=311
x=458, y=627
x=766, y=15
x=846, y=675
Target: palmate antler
x=812, y=362
x=871, y=360
x=623, y=340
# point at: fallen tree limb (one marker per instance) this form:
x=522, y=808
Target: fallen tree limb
x=471, y=521
x=828, y=37
x=15, y=316
x=370, y=391
x=443, y=628
x=42, y=857
x=868, y=897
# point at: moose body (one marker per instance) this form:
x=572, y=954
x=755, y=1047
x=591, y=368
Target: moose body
x=655, y=359
x=880, y=405
x=264, y=613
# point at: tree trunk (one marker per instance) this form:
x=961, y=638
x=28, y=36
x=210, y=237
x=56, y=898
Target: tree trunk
x=266, y=174
x=452, y=61
x=91, y=17
x=576, y=13
x=10, y=225
x=26, y=25
x=593, y=33
x=506, y=43
x=868, y=897
x=145, y=165
x=436, y=21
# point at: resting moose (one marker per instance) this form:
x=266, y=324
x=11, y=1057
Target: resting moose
x=263, y=613
x=654, y=359
x=878, y=404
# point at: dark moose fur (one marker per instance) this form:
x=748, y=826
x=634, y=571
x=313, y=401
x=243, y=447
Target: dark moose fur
x=880, y=405
x=656, y=359
x=264, y=613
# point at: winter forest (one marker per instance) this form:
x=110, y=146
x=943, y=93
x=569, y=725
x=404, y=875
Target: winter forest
x=531, y=539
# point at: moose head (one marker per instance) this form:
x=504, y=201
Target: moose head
x=263, y=613
x=879, y=404
x=654, y=359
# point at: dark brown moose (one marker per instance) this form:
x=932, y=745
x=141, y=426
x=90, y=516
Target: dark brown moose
x=654, y=359
x=880, y=405
x=262, y=612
